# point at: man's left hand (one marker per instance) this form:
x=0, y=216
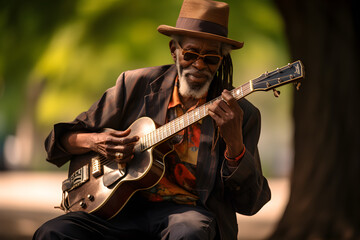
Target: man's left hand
x=228, y=116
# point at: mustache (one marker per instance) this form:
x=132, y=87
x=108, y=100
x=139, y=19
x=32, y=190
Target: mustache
x=192, y=71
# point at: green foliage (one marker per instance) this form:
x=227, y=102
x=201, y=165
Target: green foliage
x=71, y=51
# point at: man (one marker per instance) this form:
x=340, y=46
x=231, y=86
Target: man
x=215, y=170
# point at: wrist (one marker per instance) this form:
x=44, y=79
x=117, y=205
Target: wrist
x=77, y=142
x=234, y=151
x=233, y=161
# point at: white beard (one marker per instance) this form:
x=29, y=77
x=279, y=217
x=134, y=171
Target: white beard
x=185, y=89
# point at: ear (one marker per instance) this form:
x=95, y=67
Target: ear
x=173, y=48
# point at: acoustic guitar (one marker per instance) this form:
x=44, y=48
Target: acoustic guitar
x=103, y=187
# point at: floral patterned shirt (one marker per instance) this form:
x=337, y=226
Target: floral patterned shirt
x=179, y=182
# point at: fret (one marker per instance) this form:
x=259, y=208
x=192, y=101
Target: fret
x=192, y=118
x=151, y=138
x=199, y=110
x=192, y=115
x=158, y=134
x=181, y=124
x=197, y=114
x=162, y=132
x=189, y=119
x=146, y=140
x=205, y=110
x=175, y=126
x=165, y=131
x=178, y=126
x=156, y=137
x=168, y=130
x=172, y=127
x=181, y=120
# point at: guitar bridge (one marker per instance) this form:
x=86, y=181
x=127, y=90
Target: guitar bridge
x=96, y=169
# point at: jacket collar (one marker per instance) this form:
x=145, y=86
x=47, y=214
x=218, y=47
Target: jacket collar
x=157, y=101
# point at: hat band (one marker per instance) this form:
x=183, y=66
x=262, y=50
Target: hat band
x=201, y=26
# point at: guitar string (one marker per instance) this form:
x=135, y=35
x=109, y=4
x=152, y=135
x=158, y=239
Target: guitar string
x=158, y=135
x=151, y=138
x=166, y=130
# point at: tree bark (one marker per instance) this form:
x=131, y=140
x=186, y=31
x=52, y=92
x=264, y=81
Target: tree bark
x=324, y=197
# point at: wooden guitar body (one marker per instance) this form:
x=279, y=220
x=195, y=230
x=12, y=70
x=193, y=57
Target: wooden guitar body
x=105, y=192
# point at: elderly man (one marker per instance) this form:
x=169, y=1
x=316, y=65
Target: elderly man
x=215, y=170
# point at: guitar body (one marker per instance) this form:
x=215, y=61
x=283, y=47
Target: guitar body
x=105, y=192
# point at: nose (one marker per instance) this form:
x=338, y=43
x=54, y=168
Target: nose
x=199, y=63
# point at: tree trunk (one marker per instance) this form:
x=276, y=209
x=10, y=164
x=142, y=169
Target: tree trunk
x=325, y=196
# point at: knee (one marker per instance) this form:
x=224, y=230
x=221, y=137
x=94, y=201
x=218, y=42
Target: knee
x=67, y=226
x=49, y=230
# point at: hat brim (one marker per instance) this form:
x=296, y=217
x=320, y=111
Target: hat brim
x=169, y=30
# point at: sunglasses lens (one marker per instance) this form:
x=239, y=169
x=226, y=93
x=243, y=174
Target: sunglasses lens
x=208, y=59
x=189, y=56
x=212, y=59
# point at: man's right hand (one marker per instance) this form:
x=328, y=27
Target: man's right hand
x=112, y=144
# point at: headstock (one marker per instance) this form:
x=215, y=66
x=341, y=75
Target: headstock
x=291, y=73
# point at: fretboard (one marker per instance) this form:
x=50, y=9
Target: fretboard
x=168, y=130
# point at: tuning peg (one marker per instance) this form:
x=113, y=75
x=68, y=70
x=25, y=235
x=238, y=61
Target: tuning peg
x=297, y=85
x=276, y=92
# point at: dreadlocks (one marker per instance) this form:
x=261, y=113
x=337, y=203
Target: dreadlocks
x=223, y=78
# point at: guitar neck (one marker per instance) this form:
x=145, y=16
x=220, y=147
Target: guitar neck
x=168, y=130
x=292, y=72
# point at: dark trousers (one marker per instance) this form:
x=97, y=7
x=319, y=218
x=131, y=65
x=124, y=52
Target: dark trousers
x=138, y=220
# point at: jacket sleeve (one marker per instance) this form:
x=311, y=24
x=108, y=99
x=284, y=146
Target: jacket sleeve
x=245, y=186
x=118, y=107
x=106, y=112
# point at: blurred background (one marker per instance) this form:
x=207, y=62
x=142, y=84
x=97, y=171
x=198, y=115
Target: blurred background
x=58, y=57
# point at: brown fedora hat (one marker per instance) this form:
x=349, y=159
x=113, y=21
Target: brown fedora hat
x=203, y=19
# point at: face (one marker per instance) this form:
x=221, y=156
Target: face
x=195, y=74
